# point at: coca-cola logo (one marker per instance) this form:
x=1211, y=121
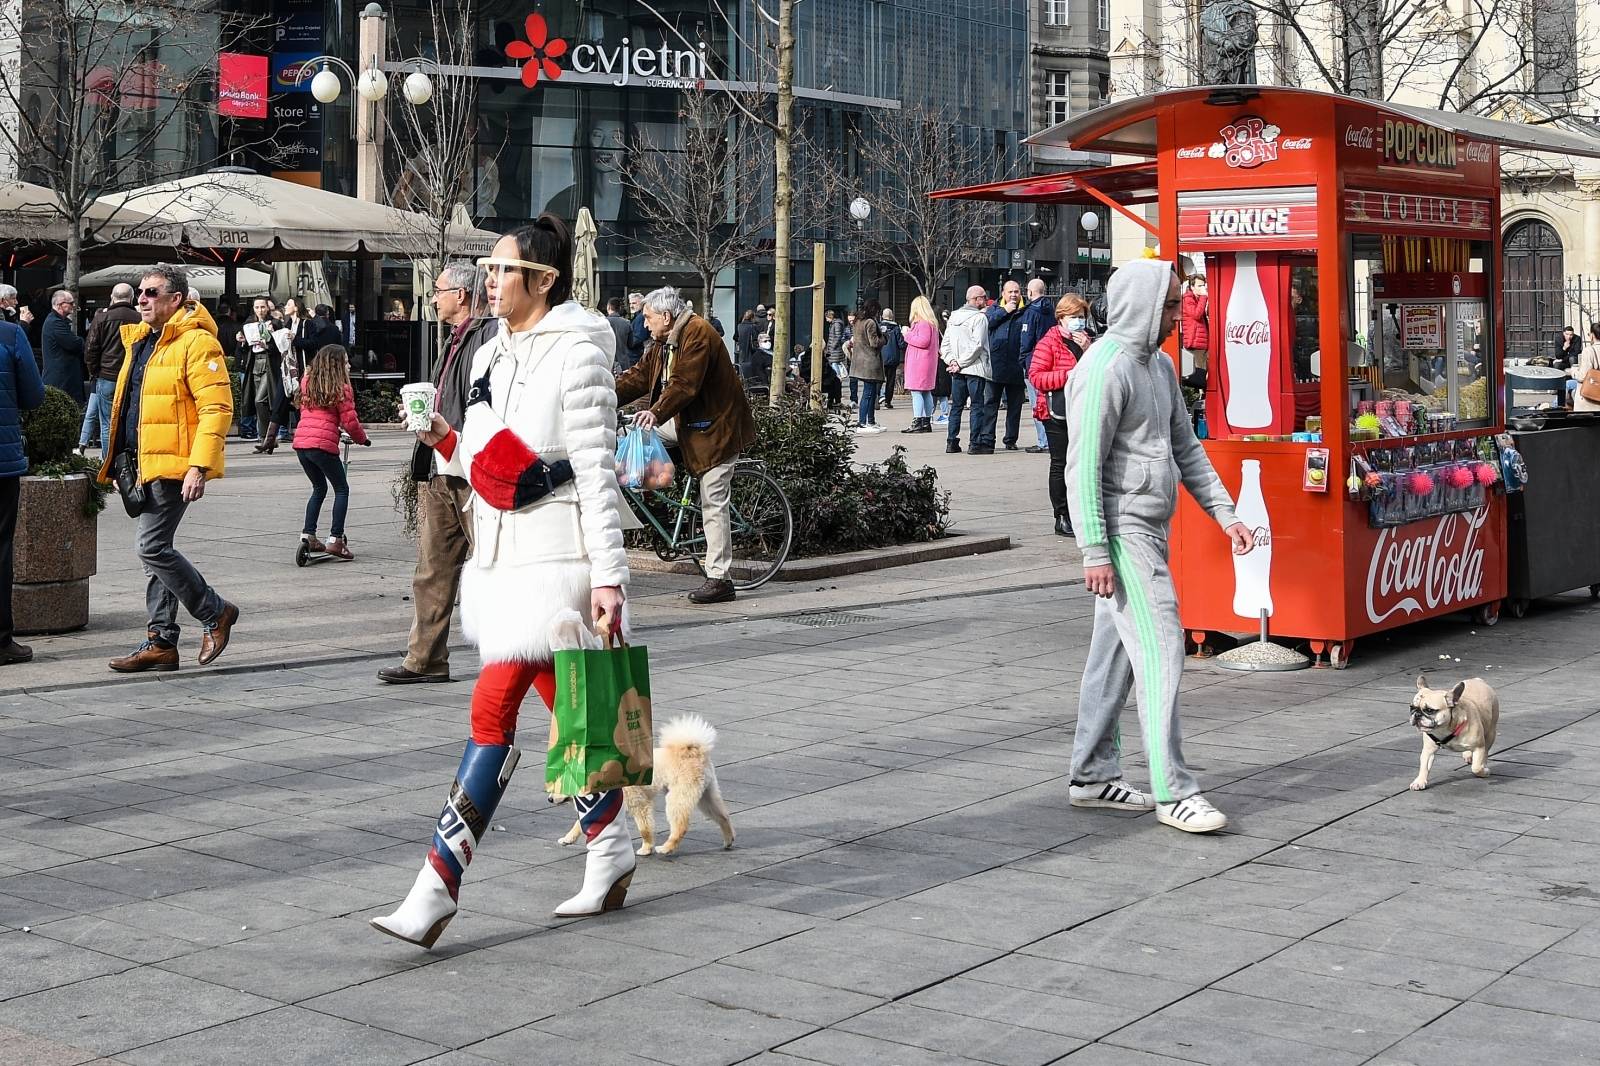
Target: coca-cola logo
x=1418, y=568
x=1257, y=332
x=1358, y=137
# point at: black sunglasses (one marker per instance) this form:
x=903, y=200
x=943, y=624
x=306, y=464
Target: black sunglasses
x=154, y=292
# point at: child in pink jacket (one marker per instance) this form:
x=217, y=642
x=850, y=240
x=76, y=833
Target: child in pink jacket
x=327, y=403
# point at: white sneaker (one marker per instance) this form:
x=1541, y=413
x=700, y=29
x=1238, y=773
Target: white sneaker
x=1117, y=794
x=1193, y=815
x=867, y=431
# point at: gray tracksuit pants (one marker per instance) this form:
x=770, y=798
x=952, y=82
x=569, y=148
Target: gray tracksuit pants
x=1137, y=641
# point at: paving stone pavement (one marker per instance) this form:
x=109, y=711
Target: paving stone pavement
x=189, y=862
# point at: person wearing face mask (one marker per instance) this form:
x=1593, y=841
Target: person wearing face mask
x=1195, y=334
x=1054, y=356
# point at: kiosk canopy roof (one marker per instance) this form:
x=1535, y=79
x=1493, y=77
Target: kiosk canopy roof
x=1128, y=126
x=1131, y=183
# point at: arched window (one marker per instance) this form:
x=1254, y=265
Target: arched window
x=1534, y=299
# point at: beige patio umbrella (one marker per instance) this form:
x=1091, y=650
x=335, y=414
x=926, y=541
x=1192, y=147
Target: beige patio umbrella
x=253, y=211
x=586, y=261
x=30, y=213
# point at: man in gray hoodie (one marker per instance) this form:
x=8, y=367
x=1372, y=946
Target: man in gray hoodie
x=1130, y=445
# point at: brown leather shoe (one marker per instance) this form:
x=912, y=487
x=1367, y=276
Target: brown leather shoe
x=715, y=590
x=148, y=656
x=216, y=636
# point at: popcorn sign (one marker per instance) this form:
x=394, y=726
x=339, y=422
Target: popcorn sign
x=1247, y=143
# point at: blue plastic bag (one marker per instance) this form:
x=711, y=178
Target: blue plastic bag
x=642, y=461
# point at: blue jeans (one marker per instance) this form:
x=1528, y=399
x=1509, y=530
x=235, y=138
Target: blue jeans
x=964, y=388
x=922, y=404
x=324, y=468
x=1038, y=426
x=98, y=412
x=866, y=412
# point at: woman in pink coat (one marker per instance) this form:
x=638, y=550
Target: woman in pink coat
x=922, y=364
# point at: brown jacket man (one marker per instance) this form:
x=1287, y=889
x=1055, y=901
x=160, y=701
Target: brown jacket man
x=690, y=378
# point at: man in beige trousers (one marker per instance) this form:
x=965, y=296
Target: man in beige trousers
x=443, y=494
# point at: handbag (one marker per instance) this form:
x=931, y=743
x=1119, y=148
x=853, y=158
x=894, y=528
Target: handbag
x=1589, y=387
x=125, y=472
x=1058, y=404
x=601, y=736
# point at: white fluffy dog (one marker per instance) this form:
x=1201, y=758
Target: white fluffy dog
x=684, y=771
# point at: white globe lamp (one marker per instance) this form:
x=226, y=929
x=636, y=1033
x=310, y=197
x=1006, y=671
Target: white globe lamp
x=372, y=85
x=418, y=88
x=860, y=209
x=1089, y=221
x=325, y=86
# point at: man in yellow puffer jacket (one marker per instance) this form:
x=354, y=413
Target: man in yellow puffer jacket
x=171, y=414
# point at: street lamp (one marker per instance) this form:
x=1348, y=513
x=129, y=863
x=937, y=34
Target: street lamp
x=1089, y=221
x=371, y=84
x=860, y=210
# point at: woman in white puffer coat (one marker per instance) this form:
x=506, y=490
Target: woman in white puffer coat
x=538, y=445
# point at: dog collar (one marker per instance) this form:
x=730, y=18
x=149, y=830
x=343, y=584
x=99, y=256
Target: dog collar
x=1456, y=732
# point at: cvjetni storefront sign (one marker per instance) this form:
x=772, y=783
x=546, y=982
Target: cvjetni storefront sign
x=621, y=62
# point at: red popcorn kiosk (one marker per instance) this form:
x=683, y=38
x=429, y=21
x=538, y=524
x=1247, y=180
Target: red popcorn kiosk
x=1354, y=386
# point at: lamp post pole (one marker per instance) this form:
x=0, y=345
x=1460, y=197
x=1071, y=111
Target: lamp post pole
x=373, y=44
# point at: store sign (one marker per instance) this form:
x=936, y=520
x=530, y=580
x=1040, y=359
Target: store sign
x=1420, y=568
x=1418, y=144
x=662, y=67
x=1247, y=216
x=241, y=85
x=1413, y=211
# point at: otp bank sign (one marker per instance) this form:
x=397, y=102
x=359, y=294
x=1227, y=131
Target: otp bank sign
x=540, y=54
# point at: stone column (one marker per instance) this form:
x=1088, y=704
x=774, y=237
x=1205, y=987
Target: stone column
x=371, y=50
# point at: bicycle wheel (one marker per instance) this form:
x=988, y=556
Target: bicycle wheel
x=763, y=527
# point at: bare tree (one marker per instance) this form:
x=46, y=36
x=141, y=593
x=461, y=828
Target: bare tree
x=1475, y=56
x=908, y=155
x=700, y=201
x=434, y=163
x=101, y=96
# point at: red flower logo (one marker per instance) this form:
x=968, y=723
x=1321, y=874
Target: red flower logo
x=540, y=50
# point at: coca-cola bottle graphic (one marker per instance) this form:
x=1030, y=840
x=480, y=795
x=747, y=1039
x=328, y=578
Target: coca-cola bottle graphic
x=1252, y=572
x=1247, y=348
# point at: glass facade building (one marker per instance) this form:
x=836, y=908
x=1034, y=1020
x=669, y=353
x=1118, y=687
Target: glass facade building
x=561, y=144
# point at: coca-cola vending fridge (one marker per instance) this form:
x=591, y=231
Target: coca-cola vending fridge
x=1353, y=376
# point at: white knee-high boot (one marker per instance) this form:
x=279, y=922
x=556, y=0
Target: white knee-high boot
x=608, y=869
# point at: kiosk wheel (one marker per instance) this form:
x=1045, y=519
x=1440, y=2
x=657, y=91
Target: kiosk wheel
x=1488, y=614
x=301, y=555
x=1517, y=608
x=1339, y=654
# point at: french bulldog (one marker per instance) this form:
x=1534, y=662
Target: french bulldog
x=1462, y=719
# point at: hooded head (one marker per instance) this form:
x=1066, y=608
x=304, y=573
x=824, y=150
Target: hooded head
x=1142, y=304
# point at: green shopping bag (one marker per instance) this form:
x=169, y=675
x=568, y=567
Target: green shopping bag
x=600, y=733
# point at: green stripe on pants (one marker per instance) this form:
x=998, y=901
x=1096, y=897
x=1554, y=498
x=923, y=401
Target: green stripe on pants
x=1147, y=655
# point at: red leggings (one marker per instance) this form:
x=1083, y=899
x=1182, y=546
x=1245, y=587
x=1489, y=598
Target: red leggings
x=498, y=696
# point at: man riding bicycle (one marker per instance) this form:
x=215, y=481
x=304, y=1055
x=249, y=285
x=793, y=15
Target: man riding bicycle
x=697, y=402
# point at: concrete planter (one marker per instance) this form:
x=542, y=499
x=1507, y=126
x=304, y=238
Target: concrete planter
x=55, y=555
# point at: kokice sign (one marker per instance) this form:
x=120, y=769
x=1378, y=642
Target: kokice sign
x=1420, y=567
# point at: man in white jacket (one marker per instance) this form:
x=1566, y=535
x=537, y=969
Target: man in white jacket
x=965, y=351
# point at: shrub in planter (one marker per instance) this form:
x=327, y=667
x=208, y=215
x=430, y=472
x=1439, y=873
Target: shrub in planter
x=379, y=404
x=56, y=541
x=837, y=505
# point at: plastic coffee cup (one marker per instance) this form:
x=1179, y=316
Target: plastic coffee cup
x=418, y=401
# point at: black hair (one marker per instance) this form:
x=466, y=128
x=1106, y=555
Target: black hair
x=871, y=309
x=613, y=306
x=176, y=279
x=548, y=240
x=323, y=311
x=1594, y=330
